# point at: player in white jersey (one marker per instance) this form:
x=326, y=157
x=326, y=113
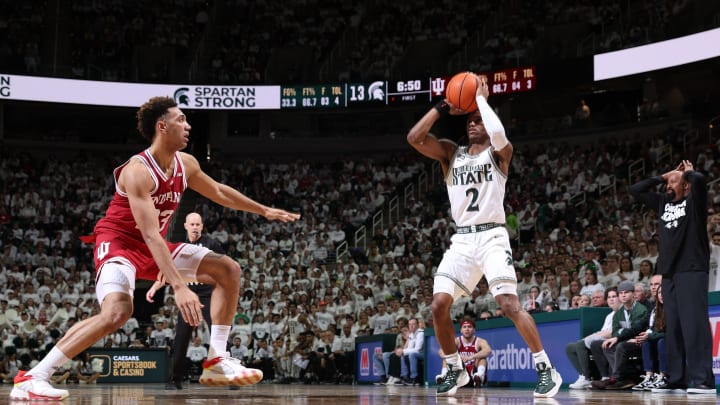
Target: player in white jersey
x=475, y=177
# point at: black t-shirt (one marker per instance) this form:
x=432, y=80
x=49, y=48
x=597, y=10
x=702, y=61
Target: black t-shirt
x=683, y=245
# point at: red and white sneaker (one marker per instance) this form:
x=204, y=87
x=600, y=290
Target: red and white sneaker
x=226, y=370
x=27, y=388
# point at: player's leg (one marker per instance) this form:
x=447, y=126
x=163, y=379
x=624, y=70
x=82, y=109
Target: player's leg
x=498, y=265
x=201, y=264
x=115, y=286
x=455, y=277
x=479, y=374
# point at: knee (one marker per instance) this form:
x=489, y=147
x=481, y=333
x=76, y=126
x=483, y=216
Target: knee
x=114, y=319
x=441, y=305
x=232, y=269
x=510, y=305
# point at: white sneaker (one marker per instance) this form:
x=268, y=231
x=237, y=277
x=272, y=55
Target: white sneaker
x=27, y=388
x=647, y=380
x=226, y=370
x=657, y=381
x=392, y=380
x=580, y=384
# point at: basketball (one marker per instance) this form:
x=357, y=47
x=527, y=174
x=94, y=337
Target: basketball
x=460, y=91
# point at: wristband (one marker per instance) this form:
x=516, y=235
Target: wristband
x=443, y=108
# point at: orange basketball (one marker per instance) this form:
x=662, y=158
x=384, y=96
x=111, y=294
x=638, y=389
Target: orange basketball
x=460, y=92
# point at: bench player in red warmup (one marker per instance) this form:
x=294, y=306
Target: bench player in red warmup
x=130, y=244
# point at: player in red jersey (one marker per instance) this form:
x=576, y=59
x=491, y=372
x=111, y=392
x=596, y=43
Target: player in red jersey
x=130, y=244
x=474, y=352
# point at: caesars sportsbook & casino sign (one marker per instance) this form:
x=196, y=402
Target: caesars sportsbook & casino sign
x=118, y=94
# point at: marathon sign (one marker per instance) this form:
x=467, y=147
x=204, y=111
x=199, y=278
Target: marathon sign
x=122, y=94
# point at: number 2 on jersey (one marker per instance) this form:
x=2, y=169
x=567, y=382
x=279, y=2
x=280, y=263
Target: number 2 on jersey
x=473, y=206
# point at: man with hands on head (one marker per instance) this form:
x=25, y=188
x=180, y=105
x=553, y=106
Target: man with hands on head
x=683, y=262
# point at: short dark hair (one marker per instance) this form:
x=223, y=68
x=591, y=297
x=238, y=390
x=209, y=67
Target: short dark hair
x=150, y=112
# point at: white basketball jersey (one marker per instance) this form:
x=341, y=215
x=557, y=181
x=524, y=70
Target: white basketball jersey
x=476, y=187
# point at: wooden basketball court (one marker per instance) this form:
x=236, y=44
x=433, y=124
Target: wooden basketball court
x=139, y=394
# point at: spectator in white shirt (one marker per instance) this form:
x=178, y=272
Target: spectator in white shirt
x=381, y=321
x=196, y=353
x=411, y=353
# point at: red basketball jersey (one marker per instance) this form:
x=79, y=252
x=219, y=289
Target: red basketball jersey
x=468, y=349
x=117, y=235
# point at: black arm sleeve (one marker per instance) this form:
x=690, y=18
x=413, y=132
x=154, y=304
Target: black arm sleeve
x=641, y=192
x=697, y=186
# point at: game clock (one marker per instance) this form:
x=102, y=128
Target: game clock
x=409, y=91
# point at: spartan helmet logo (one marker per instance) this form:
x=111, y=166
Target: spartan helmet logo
x=181, y=97
x=376, y=91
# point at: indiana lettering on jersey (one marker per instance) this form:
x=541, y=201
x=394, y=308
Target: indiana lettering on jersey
x=472, y=174
x=170, y=196
x=673, y=212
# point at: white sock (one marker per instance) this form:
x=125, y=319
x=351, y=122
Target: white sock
x=541, y=357
x=453, y=360
x=443, y=371
x=49, y=364
x=218, y=340
x=480, y=371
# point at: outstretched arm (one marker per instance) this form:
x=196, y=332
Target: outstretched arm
x=228, y=196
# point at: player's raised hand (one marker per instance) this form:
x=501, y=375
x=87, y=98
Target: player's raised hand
x=482, y=87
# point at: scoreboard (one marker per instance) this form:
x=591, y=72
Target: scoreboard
x=384, y=93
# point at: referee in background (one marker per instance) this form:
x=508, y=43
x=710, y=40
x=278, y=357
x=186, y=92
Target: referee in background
x=183, y=331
